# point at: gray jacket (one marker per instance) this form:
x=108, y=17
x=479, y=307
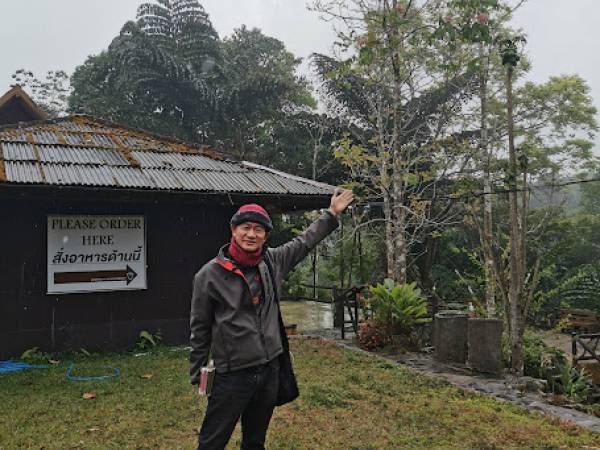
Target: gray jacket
x=222, y=315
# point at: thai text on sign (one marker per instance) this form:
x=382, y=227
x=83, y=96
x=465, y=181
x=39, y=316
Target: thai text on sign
x=96, y=253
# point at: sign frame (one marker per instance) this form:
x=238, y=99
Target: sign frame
x=117, y=264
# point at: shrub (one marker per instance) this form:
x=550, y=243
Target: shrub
x=570, y=381
x=148, y=340
x=397, y=307
x=372, y=335
x=34, y=355
x=539, y=359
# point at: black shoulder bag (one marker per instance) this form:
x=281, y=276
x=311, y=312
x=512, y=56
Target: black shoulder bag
x=288, y=387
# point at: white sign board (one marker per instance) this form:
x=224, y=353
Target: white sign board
x=96, y=253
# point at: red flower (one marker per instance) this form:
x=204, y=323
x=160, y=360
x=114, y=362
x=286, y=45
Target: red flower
x=483, y=18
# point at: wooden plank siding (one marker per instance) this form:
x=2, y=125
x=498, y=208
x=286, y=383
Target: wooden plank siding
x=180, y=239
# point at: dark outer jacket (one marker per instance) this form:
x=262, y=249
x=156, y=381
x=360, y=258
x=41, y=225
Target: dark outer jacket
x=222, y=315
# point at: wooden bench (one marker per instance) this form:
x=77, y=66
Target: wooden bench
x=579, y=320
x=588, y=344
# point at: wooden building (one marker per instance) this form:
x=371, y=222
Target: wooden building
x=103, y=227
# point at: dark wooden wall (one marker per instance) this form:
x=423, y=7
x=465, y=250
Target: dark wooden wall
x=180, y=239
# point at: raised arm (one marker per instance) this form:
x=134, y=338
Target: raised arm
x=288, y=255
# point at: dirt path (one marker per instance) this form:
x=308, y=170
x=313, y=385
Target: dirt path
x=560, y=341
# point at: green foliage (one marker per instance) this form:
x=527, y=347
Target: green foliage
x=457, y=273
x=571, y=274
x=551, y=364
x=398, y=306
x=533, y=349
x=590, y=195
x=540, y=360
x=50, y=93
x=572, y=382
x=148, y=341
x=468, y=21
x=509, y=51
x=579, y=289
x=35, y=355
x=170, y=73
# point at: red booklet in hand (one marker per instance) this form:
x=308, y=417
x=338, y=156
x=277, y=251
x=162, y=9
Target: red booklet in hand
x=207, y=374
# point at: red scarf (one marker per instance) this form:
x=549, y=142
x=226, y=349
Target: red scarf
x=243, y=257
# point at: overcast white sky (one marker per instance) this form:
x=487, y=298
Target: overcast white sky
x=40, y=35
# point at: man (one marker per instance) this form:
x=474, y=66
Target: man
x=235, y=316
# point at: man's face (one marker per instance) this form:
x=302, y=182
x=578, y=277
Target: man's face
x=249, y=236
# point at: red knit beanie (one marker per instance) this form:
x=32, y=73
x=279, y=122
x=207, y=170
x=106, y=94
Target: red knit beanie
x=252, y=213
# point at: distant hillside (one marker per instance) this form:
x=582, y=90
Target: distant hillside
x=567, y=196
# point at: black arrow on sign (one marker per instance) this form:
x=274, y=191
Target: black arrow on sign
x=127, y=275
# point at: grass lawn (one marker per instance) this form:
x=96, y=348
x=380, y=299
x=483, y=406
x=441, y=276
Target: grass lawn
x=348, y=401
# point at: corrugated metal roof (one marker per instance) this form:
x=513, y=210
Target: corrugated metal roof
x=14, y=151
x=74, y=174
x=183, y=161
x=22, y=172
x=74, y=139
x=163, y=179
x=266, y=182
x=75, y=155
x=194, y=180
x=45, y=137
x=13, y=135
x=296, y=187
x=206, y=163
x=231, y=182
x=103, y=140
x=82, y=151
x=130, y=177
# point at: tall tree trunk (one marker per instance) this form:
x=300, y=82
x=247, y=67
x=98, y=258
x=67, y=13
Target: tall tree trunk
x=431, y=246
x=488, y=256
x=389, y=237
x=315, y=255
x=401, y=247
x=315, y=272
x=398, y=166
x=516, y=268
x=386, y=186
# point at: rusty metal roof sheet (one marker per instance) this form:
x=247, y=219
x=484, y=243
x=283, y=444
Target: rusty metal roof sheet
x=83, y=151
x=13, y=136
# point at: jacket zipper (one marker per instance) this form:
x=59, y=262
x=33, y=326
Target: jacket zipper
x=257, y=323
x=226, y=349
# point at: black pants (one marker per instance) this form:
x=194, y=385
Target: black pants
x=249, y=393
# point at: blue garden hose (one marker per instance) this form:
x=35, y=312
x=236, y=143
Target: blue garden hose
x=115, y=373
x=14, y=366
